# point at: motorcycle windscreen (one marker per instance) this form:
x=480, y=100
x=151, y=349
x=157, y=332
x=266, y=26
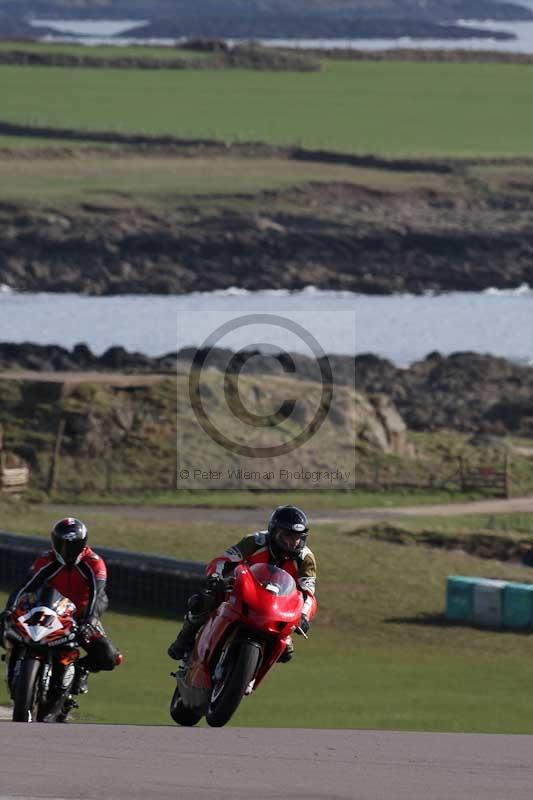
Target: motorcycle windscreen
x=273, y=579
x=50, y=597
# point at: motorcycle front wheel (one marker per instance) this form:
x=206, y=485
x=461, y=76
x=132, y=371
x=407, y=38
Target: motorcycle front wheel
x=229, y=691
x=25, y=695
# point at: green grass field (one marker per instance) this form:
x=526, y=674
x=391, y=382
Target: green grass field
x=519, y=524
x=159, y=179
x=313, y=500
x=356, y=107
x=379, y=655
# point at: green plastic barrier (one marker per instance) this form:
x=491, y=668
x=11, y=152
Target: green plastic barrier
x=460, y=598
x=517, y=610
x=489, y=603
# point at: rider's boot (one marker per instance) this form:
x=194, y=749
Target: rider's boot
x=68, y=705
x=80, y=682
x=184, y=642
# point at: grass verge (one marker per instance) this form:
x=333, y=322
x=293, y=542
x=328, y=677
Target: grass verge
x=380, y=654
x=312, y=500
x=162, y=179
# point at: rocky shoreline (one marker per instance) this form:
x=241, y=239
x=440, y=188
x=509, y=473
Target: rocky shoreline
x=336, y=236
x=466, y=392
x=308, y=27
x=350, y=19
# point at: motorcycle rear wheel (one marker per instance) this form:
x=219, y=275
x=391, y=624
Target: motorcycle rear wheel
x=180, y=713
x=228, y=693
x=25, y=695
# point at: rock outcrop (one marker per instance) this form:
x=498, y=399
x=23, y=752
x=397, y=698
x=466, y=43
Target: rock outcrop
x=468, y=392
x=335, y=236
x=124, y=436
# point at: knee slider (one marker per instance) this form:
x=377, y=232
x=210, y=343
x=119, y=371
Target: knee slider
x=196, y=618
x=103, y=655
x=195, y=604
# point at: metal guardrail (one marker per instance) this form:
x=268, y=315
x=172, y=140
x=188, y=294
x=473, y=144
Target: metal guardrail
x=139, y=581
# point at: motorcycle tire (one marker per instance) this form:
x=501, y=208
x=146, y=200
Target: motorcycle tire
x=228, y=693
x=180, y=713
x=25, y=695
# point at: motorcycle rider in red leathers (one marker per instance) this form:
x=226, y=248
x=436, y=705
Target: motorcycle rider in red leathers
x=80, y=574
x=283, y=544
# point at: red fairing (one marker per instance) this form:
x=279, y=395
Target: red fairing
x=264, y=602
x=266, y=609
x=262, y=556
x=78, y=583
x=34, y=621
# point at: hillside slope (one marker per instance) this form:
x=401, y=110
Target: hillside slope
x=125, y=432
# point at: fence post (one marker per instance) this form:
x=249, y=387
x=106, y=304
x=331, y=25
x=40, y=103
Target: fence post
x=376, y=473
x=174, y=485
x=507, y=478
x=109, y=475
x=56, y=457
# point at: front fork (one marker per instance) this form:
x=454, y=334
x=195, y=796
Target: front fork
x=15, y=658
x=49, y=691
x=221, y=664
x=218, y=674
x=10, y=658
x=15, y=661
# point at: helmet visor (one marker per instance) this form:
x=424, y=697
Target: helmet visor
x=68, y=550
x=288, y=541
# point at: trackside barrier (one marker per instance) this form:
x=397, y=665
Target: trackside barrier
x=489, y=603
x=135, y=580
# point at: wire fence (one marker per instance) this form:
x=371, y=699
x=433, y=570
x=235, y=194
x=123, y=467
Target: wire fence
x=136, y=581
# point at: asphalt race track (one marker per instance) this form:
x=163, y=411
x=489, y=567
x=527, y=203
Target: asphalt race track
x=114, y=762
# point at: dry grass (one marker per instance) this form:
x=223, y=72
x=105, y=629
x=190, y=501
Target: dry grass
x=127, y=179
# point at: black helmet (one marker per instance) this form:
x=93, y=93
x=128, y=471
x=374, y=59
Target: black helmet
x=286, y=523
x=69, y=538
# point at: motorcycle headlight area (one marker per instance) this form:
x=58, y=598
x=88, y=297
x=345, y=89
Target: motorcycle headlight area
x=40, y=622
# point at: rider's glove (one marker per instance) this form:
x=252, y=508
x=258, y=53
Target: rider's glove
x=304, y=625
x=89, y=630
x=215, y=586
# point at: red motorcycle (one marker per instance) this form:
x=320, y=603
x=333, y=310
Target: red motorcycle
x=238, y=645
x=40, y=637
